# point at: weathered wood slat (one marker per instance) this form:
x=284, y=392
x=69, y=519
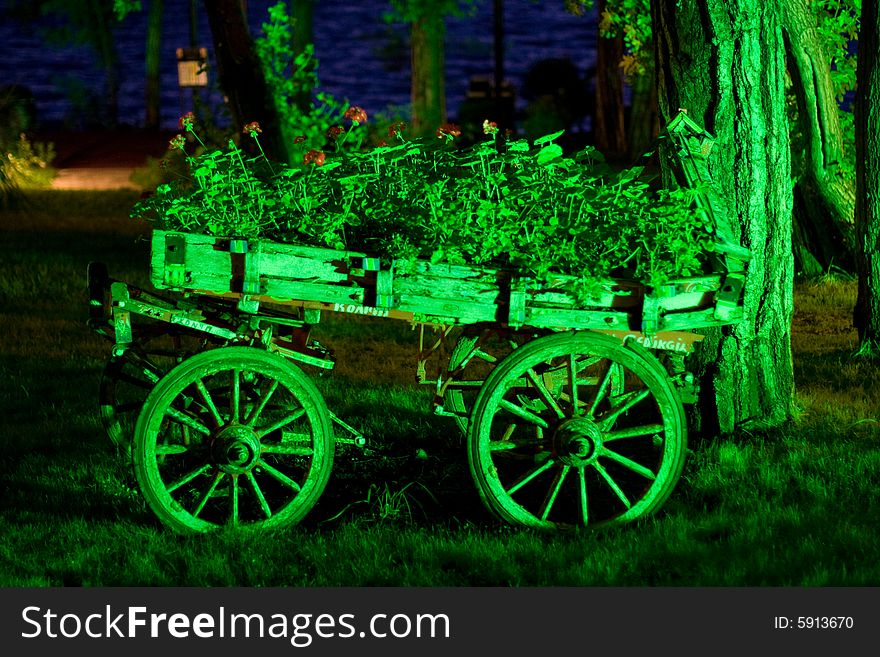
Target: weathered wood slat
x=443, y=293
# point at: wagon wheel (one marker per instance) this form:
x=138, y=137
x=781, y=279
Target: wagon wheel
x=127, y=380
x=235, y=437
x=473, y=358
x=576, y=429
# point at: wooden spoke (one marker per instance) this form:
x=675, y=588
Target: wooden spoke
x=528, y=416
x=633, y=432
x=255, y=414
x=572, y=384
x=582, y=489
x=545, y=394
x=162, y=450
x=185, y=479
x=629, y=400
x=187, y=420
x=290, y=450
x=235, y=400
x=204, y=499
x=554, y=491
x=264, y=505
x=603, y=390
x=206, y=397
x=629, y=464
x=280, y=476
x=287, y=419
x=233, y=500
x=612, y=484
x=522, y=481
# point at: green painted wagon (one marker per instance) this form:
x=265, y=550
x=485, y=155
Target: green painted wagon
x=572, y=412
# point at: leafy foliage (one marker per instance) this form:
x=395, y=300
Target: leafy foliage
x=500, y=202
x=288, y=73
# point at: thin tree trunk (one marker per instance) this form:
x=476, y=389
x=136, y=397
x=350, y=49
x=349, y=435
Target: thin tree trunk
x=153, y=57
x=101, y=15
x=724, y=61
x=241, y=75
x=428, y=72
x=609, y=129
x=644, y=118
x=303, y=15
x=867, y=116
x=824, y=194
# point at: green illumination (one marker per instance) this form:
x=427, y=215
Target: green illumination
x=522, y=254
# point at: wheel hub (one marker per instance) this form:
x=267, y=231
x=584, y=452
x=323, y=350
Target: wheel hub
x=236, y=449
x=577, y=441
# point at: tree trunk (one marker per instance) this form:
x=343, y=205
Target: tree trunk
x=609, y=129
x=303, y=15
x=824, y=194
x=241, y=76
x=428, y=72
x=644, y=119
x=724, y=61
x=100, y=16
x=867, y=116
x=153, y=57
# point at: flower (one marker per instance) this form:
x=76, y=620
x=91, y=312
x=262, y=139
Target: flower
x=252, y=129
x=396, y=129
x=448, y=130
x=178, y=141
x=356, y=114
x=313, y=156
x=299, y=140
x=334, y=132
x=489, y=127
x=186, y=121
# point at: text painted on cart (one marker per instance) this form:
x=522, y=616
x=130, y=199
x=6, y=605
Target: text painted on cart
x=359, y=310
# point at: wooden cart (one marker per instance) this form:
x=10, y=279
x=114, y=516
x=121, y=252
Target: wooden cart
x=572, y=412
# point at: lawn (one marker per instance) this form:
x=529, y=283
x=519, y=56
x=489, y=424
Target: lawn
x=795, y=506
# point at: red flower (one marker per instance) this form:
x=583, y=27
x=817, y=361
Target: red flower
x=396, y=129
x=253, y=129
x=334, y=132
x=178, y=141
x=356, y=114
x=448, y=130
x=489, y=127
x=313, y=156
x=299, y=140
x=186, y=121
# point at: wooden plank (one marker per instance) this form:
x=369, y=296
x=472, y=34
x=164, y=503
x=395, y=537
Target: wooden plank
x=583, y=319
x=460, y=311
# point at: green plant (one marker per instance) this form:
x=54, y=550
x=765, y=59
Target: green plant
x=287, y=74
x=501, y=202
x=24, y=164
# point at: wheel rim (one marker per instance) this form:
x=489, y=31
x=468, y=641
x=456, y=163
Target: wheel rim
x=575, y=430
x=233, y=437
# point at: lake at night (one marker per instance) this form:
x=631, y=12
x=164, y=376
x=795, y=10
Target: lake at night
x=362, y=58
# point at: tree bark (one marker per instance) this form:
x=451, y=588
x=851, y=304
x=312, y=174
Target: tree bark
x=644, y=120
x=609, y=128
x=241, y=76
x=867, y=117
x=824, y=194
x=724, y=61
x=153, y=57
x=303, y=34
x=428, y=72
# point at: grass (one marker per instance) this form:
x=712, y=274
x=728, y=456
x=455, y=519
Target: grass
x=796, y=506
